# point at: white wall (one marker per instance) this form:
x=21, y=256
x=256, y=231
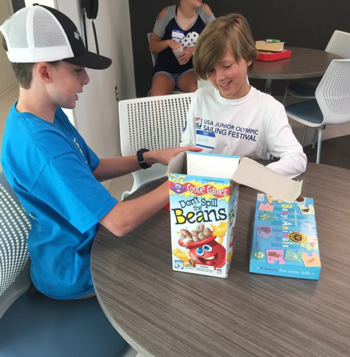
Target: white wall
x=96, y=113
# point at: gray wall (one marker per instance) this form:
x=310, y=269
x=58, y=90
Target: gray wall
x=7, y=76
x=302, y=23
x=18, y=4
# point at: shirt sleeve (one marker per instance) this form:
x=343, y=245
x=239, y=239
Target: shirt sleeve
x=160, y=25
x=207, y=19
x=283, y=144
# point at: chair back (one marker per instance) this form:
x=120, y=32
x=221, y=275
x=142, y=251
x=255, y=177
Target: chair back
x=153, y=123
x=14, y=230
x=339, y=44
x=153, y=54
x=333, y=93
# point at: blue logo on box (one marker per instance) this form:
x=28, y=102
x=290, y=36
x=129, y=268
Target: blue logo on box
x=179, y=264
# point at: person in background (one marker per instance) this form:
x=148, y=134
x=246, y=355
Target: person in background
x=174, y=39
x=52, y=170
x=231, y=117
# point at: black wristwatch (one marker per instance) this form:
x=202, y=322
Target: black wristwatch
x=141, y=160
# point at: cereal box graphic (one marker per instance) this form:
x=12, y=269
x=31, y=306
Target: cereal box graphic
x=203, y=213
x=285, y=241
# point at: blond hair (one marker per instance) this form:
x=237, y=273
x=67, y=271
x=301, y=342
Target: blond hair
x=229, y=31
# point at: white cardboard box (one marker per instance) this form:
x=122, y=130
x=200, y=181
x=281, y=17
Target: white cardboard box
x=203, y=191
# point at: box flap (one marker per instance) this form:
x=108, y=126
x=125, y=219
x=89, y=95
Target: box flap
x=176, y=164
x=211, y=165
x=261, y=178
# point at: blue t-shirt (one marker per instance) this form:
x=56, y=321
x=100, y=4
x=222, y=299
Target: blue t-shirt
x=50, y=168
x=168, y=28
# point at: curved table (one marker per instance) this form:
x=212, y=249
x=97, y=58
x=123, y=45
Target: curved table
x=303, y=63
x=161, y=312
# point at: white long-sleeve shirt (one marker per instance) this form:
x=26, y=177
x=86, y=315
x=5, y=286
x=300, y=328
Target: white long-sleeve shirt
x=253, y=126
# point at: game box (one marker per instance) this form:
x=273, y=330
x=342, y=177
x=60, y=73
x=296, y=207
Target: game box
x=285, y=241
x=203, y=196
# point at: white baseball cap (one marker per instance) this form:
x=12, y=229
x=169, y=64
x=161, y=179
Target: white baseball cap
x=42, y=34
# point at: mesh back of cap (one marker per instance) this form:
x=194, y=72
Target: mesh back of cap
x=46, y=31
x=16, y=36
x=33, y=34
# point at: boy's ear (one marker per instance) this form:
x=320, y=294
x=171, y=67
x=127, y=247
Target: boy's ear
x=249, y=63
x=42, y=72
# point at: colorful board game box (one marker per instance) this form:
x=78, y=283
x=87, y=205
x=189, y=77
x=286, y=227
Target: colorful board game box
x=203, y=214
x=203, y=197
x=285, y=241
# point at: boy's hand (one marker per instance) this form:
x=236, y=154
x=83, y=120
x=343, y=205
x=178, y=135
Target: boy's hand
x=164, y=156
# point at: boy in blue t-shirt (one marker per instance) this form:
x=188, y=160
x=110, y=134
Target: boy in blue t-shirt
x=48, y=164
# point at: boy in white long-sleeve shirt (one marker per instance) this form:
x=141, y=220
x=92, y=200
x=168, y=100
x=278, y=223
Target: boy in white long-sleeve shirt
x=231, y=117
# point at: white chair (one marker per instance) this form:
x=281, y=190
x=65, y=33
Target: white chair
x=332, y=103
x=153, y=123
x=37, y=325
x=153, y=54
x=339, y=44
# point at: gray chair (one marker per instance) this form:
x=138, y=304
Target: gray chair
x=332, y=103
x=37, y=326
x=339, y=44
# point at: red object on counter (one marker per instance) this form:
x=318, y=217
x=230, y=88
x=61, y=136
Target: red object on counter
x=273, y=56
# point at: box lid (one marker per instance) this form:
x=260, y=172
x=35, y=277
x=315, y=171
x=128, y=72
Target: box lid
x=248, y=172
x=211, y=165
x=261, y=178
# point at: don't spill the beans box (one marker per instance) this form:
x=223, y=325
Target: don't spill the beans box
x=203, y=195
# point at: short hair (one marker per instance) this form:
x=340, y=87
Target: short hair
x=23, y=71
x=228, y=31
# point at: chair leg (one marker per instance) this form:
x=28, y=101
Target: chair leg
x=124, y=195
x=268, y=86
x=319, y=142
x=304, y=135
x=314, y=140
x=284, y=98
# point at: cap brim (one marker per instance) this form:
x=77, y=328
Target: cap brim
x=90, y=60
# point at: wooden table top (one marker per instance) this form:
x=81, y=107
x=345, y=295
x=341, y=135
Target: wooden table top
x=303, y=63
x=161, y=312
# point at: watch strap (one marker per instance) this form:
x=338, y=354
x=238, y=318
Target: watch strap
x=141, y=159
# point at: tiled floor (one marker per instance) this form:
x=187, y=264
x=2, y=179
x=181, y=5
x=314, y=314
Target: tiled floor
x=118, y=186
